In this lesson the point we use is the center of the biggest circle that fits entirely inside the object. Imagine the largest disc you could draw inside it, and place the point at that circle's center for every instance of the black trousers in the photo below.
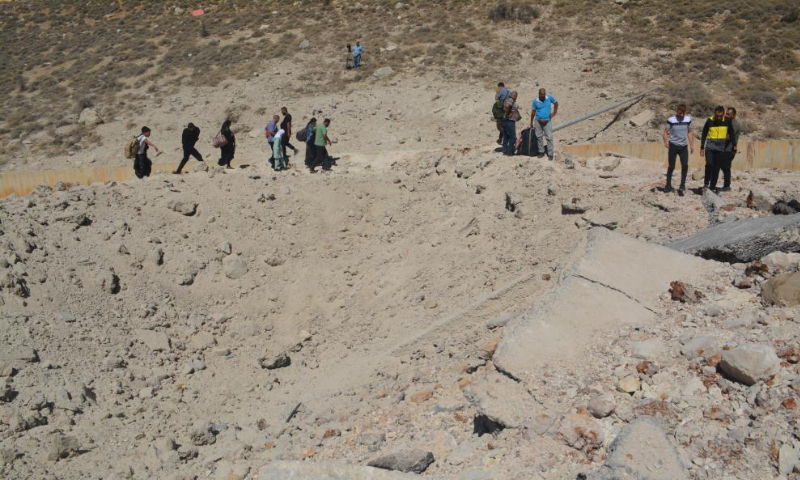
(226, 157)
(714, 161)
(725, 166)
(311, 155)
(285, 143)
(322, 157)
(673, 153)
(142, 166)
(189, 152)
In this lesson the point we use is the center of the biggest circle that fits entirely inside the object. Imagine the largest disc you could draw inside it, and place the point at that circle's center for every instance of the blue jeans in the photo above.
(509, 136)
(356, 61)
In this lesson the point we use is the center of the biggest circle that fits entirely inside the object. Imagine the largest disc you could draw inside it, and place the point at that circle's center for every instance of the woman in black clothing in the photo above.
(311, 149)
(229, 149)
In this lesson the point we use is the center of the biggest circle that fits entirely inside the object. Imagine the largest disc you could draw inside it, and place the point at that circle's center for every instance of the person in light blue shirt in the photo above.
(357, 49)
(544, 108)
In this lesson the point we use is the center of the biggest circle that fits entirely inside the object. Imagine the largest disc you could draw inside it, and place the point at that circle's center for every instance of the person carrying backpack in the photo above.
(510, 119)
(142, 166)
(500, 95)
(228, 150)
(191, 134)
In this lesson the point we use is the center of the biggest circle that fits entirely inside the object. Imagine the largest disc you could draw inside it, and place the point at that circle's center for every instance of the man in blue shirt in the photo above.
(544, 108)
(357, 49)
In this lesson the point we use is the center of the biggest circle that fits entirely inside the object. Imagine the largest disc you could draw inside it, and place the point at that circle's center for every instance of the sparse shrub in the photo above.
(772, 133)
(792, 99)
(746, 127)
(694, 94)
(520, 12)
(764, 97)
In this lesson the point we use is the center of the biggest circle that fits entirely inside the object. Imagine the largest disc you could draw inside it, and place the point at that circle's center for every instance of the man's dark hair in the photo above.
(719, 108)
(327, 120)
(733, 109)
(145, 129)
(681, 107)
(501, 84)
(190, 126)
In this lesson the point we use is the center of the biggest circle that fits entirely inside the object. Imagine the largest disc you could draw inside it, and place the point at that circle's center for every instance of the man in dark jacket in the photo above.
(191, 135)
(718, 132)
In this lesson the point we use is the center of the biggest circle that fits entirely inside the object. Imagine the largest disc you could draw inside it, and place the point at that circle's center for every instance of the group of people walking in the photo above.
(278, 133)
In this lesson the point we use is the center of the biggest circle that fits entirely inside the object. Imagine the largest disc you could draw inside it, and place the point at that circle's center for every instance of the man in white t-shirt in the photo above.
(142, 166)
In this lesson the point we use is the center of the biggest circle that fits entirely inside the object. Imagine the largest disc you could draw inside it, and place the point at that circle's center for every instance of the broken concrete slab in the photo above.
(641, 451)
(285, 470)
(744, 241)
(643, 118)
(515, 408)
(613, 280)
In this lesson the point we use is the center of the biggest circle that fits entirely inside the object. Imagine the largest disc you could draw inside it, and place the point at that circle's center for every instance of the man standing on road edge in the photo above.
(544, 108)
(717, 134)
(679, 142)
(510, 119)
(320, 141)
(730, 151)
(142, 166)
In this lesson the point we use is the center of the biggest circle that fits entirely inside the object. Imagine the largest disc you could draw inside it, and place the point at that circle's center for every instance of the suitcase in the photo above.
(528, 145)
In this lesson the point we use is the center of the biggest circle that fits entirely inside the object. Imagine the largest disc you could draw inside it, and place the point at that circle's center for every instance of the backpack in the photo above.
(219, 140)
(132, 148)
(499, 109)
(302, 135)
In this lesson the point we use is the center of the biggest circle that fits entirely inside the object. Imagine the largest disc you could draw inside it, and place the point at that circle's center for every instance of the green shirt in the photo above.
(321, 131)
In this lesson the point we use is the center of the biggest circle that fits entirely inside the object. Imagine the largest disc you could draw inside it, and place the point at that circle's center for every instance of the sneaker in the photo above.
(550, 157)
(668, 189)
(680, 192)
(725, 189)
(176, 172)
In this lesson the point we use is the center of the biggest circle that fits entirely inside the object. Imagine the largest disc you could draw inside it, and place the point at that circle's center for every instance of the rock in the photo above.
(20, 353)
(373, 441)
(750, 363)
(713, 204)
(685, 293)
(108, 281)
(305, 44)
(6, 392)
(649, 349)
(66, 317)
(89, 117)
(383, 72)
(406, 460)
(782, 290)
(573, 208)
(777, 261)
(157, 257)
(235, 267)
(629, 384)
(582, 432)
(155, 341)
(271, 362)
(226, 248)
(421, 397)
(430, 304)
(602, 406)
(7, 457)
(500, 321)
(184, 208)
(760, 200)
(285, 470)
(641, 451)
(743, 241)
(62, 446)
(642, 119)
(700, 347)
(201, 434)
(788, 459)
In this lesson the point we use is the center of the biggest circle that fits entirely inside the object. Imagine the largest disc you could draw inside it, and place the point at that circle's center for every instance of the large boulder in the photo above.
(743, 241)
(782, 290)
(614, 280)
(750, 363)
